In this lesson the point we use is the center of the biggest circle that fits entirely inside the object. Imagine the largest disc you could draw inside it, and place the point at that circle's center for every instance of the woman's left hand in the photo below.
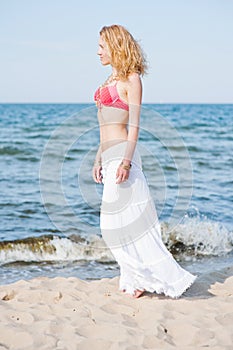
(121, 175)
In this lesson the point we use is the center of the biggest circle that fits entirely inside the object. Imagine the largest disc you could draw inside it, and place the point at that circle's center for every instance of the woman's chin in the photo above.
(104, 63)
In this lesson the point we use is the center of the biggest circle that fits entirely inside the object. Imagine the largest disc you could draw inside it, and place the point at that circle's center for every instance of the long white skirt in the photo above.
(130, 228)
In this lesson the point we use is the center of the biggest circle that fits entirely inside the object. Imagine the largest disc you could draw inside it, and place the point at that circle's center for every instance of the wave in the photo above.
(191, 238)
(54, 248)
(194, 237)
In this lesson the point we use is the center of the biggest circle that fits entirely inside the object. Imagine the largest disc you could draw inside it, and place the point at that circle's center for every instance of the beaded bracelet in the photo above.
(98, 163)
(126, 167)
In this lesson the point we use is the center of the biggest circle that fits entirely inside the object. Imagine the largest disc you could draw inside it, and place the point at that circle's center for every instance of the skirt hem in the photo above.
(168, 291)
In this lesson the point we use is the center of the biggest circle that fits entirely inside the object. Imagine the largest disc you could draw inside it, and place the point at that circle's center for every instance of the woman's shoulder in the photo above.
(134, 81)
(134, 77)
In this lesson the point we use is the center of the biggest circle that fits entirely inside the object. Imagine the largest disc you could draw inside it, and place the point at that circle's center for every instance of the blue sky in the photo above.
(48, 49)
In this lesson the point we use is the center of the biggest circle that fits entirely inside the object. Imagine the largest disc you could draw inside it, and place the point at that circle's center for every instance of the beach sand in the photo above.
(69, 313)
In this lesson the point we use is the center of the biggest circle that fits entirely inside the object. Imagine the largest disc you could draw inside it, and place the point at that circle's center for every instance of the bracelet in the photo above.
(126, 167)
(98, 163)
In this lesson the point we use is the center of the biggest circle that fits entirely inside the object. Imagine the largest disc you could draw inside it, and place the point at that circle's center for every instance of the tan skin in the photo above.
(129, 91)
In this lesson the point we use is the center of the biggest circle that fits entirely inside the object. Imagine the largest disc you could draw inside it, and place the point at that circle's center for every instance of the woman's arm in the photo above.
(97, 167)
(134, 94)
(98, 156)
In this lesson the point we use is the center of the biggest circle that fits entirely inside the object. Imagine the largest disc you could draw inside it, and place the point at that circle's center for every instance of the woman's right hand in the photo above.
(96, 173)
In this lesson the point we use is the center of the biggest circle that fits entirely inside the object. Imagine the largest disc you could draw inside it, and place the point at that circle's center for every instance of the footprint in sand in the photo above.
(15, 339)
(115, 308)
(225, 320)
(9, 296)
(163, 334)
(22, 318)
(128, 321)
(58, 297)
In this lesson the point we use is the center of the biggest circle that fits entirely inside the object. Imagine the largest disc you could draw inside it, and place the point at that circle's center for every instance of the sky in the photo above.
(49, 49)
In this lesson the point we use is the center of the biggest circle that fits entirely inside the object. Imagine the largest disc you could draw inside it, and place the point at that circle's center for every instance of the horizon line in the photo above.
(92, 103)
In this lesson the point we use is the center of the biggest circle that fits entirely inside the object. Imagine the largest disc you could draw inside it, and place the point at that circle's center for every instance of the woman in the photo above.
(128, 220)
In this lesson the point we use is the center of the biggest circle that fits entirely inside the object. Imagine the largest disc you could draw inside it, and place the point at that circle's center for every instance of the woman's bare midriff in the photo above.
(113, 126)
(112, 135)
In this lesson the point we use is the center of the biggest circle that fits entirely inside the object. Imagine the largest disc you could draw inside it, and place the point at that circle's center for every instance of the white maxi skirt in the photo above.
(130, 228)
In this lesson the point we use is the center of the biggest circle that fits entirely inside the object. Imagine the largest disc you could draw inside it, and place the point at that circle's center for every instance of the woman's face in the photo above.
(103, 52)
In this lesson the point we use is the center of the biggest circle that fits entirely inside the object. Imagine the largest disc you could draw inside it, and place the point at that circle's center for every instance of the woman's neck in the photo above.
(114, 73)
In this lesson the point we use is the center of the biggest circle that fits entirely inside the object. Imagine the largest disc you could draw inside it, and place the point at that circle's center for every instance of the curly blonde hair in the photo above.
(126, 54)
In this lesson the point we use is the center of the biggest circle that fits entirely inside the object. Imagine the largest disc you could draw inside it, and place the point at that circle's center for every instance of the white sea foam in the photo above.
(202, 235)
(193, 236)
(56, 249)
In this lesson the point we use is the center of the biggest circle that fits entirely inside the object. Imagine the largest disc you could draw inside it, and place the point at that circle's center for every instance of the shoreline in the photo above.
(70, 313)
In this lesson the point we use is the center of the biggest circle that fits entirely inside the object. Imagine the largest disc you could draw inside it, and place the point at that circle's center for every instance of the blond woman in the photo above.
(128, 220)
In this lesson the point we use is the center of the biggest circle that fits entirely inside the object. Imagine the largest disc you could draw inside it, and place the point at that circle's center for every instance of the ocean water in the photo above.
(49, 204)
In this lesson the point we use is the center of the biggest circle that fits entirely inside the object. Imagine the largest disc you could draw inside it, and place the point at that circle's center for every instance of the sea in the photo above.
(50, 205)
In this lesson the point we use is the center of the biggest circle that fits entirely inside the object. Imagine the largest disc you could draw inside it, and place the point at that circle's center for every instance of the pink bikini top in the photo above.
(108, 96)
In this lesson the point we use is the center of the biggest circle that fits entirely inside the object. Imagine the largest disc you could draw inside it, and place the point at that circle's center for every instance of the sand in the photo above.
(68, 313)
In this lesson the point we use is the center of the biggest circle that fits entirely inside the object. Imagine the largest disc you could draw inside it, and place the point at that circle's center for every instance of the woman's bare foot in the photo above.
(138, 293)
